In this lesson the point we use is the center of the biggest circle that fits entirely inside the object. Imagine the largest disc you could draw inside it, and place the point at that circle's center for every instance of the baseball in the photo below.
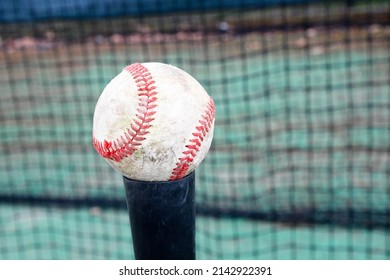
(153, 122)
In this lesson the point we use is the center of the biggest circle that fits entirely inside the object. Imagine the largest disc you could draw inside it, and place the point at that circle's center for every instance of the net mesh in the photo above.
(299, 165)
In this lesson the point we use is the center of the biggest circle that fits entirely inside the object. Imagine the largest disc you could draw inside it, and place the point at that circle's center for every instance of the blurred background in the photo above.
(300, 163)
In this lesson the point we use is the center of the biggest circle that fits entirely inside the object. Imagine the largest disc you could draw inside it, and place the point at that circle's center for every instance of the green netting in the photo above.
(299, 166)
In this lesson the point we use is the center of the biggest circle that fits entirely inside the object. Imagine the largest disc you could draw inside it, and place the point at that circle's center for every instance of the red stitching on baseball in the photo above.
(194, 144)
(127, 144)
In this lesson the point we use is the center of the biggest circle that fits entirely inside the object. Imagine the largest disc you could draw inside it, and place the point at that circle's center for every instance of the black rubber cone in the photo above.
(162, 218)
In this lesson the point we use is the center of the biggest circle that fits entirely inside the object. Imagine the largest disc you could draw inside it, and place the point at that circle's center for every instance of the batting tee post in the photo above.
(162, 218)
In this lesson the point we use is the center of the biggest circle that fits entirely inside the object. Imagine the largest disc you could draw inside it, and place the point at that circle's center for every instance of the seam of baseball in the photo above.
(126, 144)
(195, 143)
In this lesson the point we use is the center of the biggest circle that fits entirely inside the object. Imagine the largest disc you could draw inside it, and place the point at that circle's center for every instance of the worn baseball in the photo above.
(153, 122)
